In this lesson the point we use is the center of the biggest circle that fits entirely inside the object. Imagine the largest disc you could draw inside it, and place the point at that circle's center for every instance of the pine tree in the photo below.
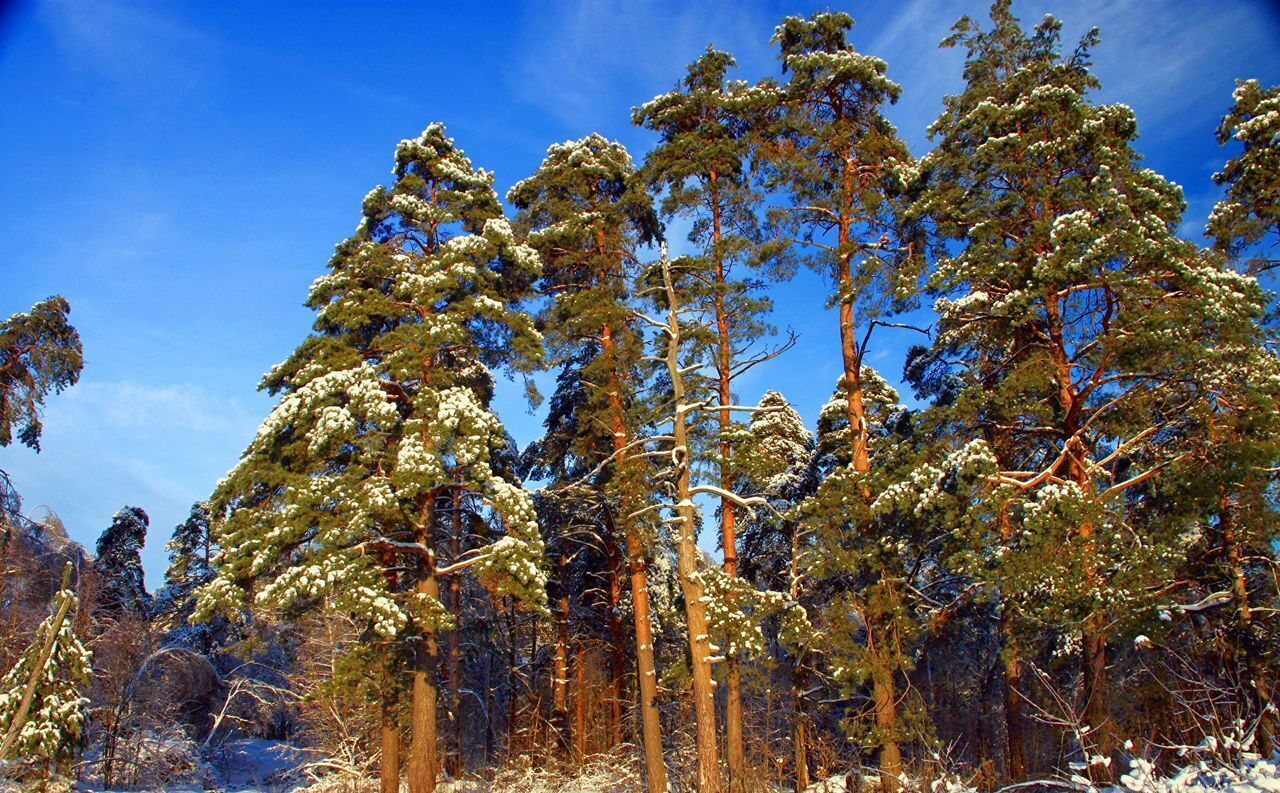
(1080, 323)
(702, 162)
(191, 550)
(39, 352)
(1230, 503)
(42, 703)
(1246, 222)
(1245, 225)
(873, 559)
(585, 211)
(697, 596)
(932, 377)
(384, 412)
(119, 564)
(576, 516)
(191, 565)
(844, 169)
(776, 463)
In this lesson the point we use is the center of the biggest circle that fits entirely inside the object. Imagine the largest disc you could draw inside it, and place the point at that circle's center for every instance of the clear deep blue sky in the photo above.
(181, 172)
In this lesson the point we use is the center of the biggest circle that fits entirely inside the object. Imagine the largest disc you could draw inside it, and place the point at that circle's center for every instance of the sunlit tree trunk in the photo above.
(423, 751)
(560, 666)
(704, 708)
(883, 696)
(646, 666)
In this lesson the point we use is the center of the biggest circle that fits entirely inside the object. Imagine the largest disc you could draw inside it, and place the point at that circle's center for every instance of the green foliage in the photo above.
(385, 407)
(191, 551)
(586, 213)
(121, 589)
(53, 732)
(39, 352)
(1246, 223)
(702, 163)
(1082, 337)
(841, 165)
(775, 462)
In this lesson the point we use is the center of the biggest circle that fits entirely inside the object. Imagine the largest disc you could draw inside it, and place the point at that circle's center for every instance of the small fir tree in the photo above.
(192, 551)
(42, 702)
(776, 462)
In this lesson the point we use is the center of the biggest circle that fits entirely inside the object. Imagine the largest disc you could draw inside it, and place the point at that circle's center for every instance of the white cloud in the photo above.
(1167, 57)
(580, 59)
(114, 406)
(149, 55)
(113, 443)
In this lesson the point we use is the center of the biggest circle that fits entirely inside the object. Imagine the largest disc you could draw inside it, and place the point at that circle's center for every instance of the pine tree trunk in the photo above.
(703, 685)
(800, 723)
(1096, 685)
(704, 706)
(580, 704)
(560, 667)
(617, 636)
(453, 652)
(884, 694)
(728, 517)
(799, 680)
(646, 667)
(1015, 757)
(647, 671)
(390, 765)
(734, 744)
(1094, 631)
(423, 749)
(852, 362)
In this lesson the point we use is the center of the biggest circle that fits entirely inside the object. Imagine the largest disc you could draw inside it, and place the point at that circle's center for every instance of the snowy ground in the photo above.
(249, 765)
(262, 766)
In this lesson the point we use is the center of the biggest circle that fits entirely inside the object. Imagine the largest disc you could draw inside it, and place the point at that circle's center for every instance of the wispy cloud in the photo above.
(578, 58)
(144, 52)
(113, 443)
(1167, 57)
(130, 406)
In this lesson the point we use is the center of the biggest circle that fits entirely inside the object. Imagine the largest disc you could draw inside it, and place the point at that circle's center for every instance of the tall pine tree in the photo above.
(703, 164)
(384, 411)
(1081, 327)
(586, 212)
(842, 166)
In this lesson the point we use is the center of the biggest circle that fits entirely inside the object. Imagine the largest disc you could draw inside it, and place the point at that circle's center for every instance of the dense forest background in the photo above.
(1052, 562)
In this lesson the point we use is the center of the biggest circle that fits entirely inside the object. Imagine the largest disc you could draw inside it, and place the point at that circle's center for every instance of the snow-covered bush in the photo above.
(1252, 775)
(158, 758)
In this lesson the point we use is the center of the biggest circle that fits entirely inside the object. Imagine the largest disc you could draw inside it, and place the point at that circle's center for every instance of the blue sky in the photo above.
(181, 172)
